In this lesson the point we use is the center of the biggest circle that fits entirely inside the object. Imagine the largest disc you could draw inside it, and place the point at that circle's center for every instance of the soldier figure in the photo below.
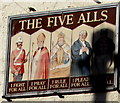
(17, 60)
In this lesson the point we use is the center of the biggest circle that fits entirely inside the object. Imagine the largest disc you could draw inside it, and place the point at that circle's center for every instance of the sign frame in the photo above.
(58, 92)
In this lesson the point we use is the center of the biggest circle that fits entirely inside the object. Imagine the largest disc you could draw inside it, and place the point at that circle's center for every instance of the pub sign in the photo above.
(64, 51)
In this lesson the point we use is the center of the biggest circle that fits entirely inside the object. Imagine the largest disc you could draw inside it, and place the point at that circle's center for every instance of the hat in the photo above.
(61, 35)
(19, 40)
(41, 36)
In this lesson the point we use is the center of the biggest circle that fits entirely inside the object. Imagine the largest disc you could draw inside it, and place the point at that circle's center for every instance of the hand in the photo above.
(84, 49)
(16, 73)
(25, 60)
(13, 71)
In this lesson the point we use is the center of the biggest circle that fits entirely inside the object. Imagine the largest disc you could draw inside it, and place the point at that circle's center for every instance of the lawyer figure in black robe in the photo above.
(80, 53)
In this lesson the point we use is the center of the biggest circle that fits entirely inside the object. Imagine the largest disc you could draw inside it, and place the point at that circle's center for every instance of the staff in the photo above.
(31, 60)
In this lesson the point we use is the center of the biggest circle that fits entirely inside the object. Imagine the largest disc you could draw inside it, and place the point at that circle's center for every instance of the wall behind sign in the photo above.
(14, 8)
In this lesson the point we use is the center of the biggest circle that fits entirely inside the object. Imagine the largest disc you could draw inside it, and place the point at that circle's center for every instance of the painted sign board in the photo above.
(64, 51)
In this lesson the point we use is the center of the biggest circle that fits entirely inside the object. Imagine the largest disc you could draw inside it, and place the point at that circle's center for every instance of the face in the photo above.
(40, 43)
(61, 41)
(82, 36)
(19, 44)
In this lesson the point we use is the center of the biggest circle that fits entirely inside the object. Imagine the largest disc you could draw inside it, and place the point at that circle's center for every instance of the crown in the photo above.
(61, 35)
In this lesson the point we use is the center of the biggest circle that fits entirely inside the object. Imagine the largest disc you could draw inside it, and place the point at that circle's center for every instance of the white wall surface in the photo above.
(14, 7)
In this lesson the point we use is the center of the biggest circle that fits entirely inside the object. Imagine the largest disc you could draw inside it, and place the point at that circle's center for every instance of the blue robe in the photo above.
(80, 65)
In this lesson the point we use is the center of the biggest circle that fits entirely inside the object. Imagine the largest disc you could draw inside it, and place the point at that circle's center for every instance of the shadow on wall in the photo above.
(102, 59)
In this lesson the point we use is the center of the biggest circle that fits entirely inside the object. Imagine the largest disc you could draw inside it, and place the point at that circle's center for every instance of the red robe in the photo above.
(41, 68)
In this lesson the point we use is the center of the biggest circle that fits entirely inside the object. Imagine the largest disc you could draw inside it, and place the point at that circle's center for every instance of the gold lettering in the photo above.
(63, 85)
(11, 85)
(69, 19)
(38, 23)
(103, 13)
(42, 87)
(39, 82)
(53, 81)
(12, 89)
(81, 18)
(21, 89)
(31, 23)
(77, 80)
(82, 84)
(50, 20)
(23, 24)
(75, 85)
(109, 82)
(55, 21)
(54, 86)
(18, 84)
(31, 83)
(60, 19)
(56, 81)
(86, 79)
(95, 16)
(33, 88)
(88, 17)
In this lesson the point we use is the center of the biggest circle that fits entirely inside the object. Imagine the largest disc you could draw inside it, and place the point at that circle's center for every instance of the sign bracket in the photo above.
(59, 95)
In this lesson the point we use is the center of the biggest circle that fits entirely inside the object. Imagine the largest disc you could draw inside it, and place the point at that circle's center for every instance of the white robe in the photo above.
(34, 64)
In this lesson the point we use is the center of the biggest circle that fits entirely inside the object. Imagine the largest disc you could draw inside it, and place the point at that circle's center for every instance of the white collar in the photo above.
(82, 41)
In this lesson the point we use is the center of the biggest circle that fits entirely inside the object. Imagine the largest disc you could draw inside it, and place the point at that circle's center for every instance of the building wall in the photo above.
(14, 8)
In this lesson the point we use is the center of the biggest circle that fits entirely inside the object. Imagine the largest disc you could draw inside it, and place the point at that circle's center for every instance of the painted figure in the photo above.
(60, 57)
(81, 52)
(17, 59)
(41, 60)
